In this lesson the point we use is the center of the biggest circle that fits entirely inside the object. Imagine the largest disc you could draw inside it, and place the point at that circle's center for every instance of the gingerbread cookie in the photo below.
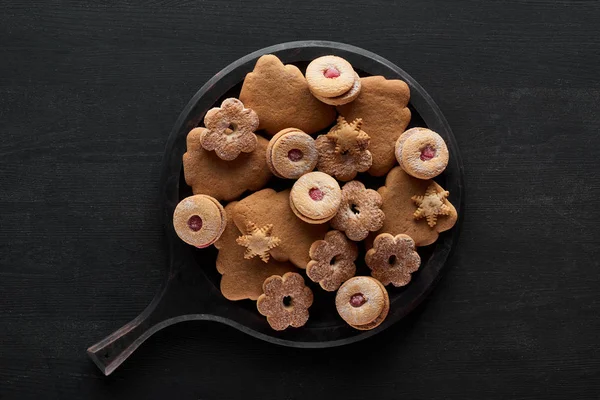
(363, 302)
(280, 96)
(207, 174)
(422, 153)
(285, 301)
(399, 208)
(199, 220)
(343, 151)
(258, 241)
(270, 207)
(242, 277)
(359, 212)
(315, 197)
(330, 76)
(392, 259)
(332, 261)
(382, 105)
(291, 153)
(230, 129)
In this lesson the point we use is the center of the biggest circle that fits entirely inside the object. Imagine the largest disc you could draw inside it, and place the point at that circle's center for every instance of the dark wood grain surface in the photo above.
(88, 94)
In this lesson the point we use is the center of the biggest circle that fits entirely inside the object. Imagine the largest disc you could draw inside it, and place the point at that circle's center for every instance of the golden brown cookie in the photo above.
(270, 207)
(330, 76)
(399, 208)
(258, 241)
(332, 260)
(343, 151)
(382, 105)
(285, 301)
(393, 259)
(199, 220)
(230, 129)
(315, 197)
(422, 153)
(207, 174)
(344, 98)
(362, 302)
(242, 278)
(280, 96)
(291, 153)
(359, 212)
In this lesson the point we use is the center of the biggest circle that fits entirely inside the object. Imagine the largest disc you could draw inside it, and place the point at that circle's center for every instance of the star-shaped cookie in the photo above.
(431, 205)
(258, 241)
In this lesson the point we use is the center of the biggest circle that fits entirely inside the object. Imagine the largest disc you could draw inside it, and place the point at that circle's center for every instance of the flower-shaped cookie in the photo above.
(332, 261)
(285, 301)
(230, 129)
(343, 151)
(392, 259)
(359, 212)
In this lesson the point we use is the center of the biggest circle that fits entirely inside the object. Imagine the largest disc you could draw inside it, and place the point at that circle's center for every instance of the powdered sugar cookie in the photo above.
(422, 153)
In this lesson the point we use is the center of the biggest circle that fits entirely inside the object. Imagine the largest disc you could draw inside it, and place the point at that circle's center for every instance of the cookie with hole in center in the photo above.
(291, 153)
(383, 106)
(422, 153)
(199, 220)
(279, 94)
(315, 197)
(362, 302)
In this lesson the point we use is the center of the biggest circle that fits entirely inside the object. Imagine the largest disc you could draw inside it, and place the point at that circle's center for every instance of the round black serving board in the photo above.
(190, 290)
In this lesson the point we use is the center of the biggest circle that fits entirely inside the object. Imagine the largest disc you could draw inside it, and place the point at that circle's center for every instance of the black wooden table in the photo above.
(89, 93)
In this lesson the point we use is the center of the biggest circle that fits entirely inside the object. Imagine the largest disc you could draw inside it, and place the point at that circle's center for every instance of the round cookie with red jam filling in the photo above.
(199, 220)
(315, 197)
(362, 302)
(291, 153)
(422, 153)
(330, 76)
(344, 98)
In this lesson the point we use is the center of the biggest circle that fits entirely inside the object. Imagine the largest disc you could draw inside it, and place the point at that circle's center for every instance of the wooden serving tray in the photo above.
(190, 290)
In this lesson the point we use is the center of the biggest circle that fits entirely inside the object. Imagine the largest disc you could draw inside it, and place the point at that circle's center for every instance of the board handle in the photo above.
(111, 351)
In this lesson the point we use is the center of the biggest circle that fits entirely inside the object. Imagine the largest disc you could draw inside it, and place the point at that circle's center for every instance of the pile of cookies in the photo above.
(318, 131)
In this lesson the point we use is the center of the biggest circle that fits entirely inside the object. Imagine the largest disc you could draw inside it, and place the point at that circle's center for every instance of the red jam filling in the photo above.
(427, 153)
(195, 223)
(331, 72)
(357, 300)
(295, 155)
(316, 194)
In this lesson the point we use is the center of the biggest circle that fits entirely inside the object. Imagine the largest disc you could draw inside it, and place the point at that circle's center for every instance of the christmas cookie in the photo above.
(315, 197)
(242, 277)
(199, 220)
(280, 96)
(362, 302)
(359, 212)
(207, 174)
(403, 195)
(343, 151)
(285, 301)
(230, 129)
(330, 76)
(268, 207)
(422, 153)
(291, 153)
(382, 105)
(344, 98)
(392, 259)
(332, 261)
